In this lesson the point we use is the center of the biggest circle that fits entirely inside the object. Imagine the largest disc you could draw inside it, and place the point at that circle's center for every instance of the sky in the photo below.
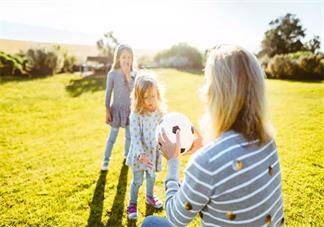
(154, 24)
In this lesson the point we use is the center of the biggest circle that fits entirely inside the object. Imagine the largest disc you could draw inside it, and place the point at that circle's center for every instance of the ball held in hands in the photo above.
(172, 122)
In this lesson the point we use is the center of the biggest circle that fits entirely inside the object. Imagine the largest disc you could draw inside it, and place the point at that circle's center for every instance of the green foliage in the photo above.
(145, 61)
(264, 61)
(52, 144)
(313, 44)
(43, 61)
(12, 65)
(297, 55)
(181, 56)
(285, 36)
(282, 67)
(298, 66)
(69, 64)
(37, 62)
(107, 45)
(69, 61)
(311, 66)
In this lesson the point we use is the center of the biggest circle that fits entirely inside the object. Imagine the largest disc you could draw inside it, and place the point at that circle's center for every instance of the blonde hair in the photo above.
(145, 82)
(118, 51)
(235, 93)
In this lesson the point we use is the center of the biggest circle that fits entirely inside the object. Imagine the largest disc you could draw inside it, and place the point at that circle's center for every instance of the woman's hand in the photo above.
(169, 150)
(142, 158)
(108, 116)
(197, 143)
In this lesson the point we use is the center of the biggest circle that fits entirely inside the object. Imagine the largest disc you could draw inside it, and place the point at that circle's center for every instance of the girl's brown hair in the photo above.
(118, 51)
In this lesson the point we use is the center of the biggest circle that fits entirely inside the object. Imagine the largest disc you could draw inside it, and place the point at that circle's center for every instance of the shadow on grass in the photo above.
(86, 84)
(117, 210)
(131, 223)
(96, 205)
(151, 210)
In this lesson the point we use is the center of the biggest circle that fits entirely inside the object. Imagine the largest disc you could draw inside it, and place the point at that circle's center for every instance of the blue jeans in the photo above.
(112, 139)
(155, 221)
(138, 181)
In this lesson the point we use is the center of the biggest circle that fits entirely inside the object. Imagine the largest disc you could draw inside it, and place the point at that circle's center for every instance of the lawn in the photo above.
(52, 137)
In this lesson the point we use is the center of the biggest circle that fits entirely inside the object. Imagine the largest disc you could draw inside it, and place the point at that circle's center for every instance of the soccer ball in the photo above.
(171, 123)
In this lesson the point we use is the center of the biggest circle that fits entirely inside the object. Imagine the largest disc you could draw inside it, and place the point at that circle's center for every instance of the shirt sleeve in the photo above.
(184, 201)
(109, 88)
(136, 136)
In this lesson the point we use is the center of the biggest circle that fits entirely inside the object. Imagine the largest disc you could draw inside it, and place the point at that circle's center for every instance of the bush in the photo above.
(311, 67)
(43, 62)
(145, 61)
(180, 56)
(69, 63)
(264, 61)
(12, 65)
(297, 55)
(37, 62)
(282, 67)
(297, 66)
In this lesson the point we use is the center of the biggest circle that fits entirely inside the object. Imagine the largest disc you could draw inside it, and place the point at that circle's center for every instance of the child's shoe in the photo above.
(154, 201)
(132, 211)
(104, 165)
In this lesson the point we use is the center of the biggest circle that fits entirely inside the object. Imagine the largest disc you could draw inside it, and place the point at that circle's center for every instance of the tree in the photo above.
(180, 55)
(107, 45)
(313, 44)
(284, 36)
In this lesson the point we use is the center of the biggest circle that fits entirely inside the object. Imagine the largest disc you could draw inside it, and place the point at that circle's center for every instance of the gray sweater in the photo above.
(121, 90)
(230, 182)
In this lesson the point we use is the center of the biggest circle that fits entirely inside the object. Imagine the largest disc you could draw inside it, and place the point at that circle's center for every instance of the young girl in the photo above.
(120, 81)
(144, 156)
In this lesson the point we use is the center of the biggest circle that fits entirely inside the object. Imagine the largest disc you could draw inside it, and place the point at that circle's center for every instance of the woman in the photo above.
(234, 180)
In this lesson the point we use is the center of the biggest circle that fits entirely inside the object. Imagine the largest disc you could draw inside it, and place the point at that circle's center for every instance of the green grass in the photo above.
(52, 137)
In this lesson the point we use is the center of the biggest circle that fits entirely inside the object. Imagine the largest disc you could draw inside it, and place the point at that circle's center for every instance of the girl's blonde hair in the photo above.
(146, 82)
(235, 93)
(118, 51)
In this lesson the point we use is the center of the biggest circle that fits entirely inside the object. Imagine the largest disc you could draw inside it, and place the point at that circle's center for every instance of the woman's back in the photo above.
(241, 181)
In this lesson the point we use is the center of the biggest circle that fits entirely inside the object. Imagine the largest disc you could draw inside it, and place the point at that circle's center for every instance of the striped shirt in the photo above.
(229, 182)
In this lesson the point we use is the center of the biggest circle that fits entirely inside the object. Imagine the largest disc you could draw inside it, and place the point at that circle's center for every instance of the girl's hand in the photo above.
(126, 70)
(108, 116)
(169, 150)
(145, 160)
(197, 143)
(128, 76)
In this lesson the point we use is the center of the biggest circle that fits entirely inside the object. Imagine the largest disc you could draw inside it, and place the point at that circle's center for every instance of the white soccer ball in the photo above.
(171, 122)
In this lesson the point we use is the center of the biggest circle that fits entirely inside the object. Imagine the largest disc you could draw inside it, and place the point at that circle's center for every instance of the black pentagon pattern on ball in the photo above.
(175, 128)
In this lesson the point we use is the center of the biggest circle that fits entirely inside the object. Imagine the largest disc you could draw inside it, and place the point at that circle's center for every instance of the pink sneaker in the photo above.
(154, 201)
(132, 211)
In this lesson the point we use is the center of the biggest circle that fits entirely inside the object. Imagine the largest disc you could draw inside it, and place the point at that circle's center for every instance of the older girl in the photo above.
(120, 82)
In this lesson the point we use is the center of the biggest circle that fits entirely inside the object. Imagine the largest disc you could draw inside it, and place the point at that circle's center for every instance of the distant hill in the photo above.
(80, 51)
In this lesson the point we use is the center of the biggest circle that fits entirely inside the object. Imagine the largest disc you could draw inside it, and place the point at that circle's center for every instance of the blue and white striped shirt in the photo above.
(229, 182)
